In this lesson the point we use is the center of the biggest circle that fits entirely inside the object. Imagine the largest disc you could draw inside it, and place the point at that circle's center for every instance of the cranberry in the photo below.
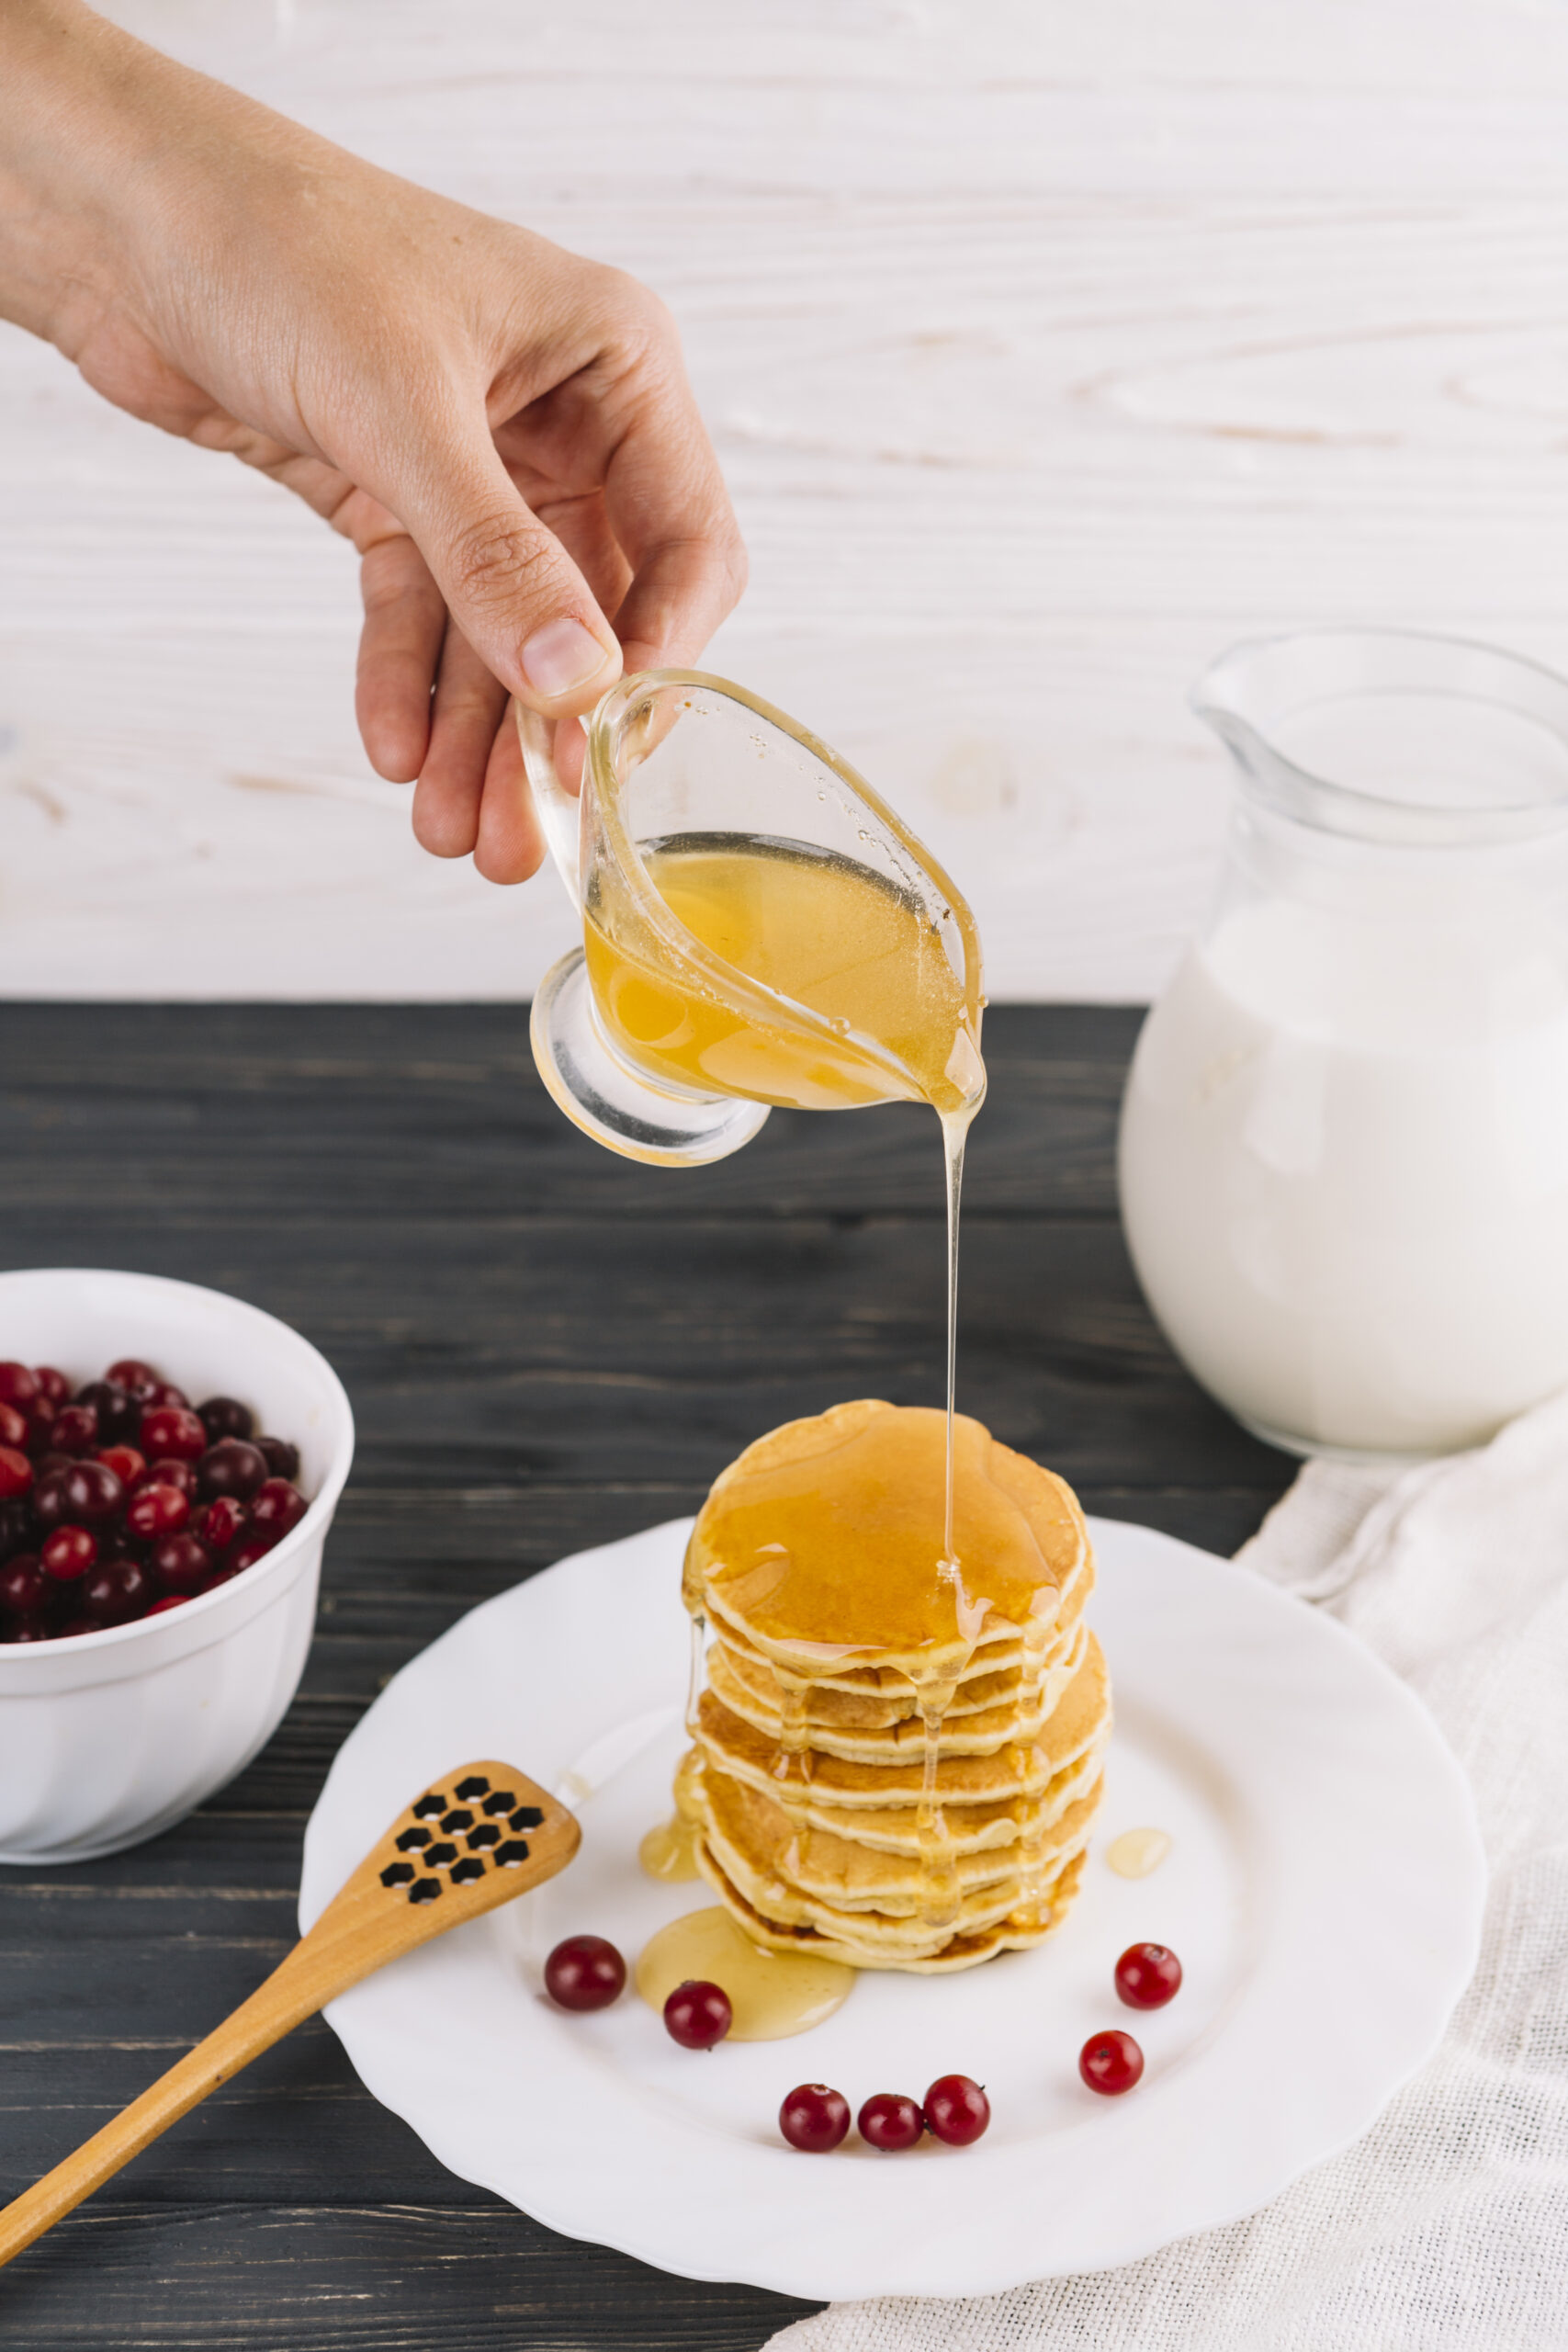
(70, 1553)
(49, 1461)
(116, 1591)
(223, 1522)
(231, 1468)
(50, 1500)
(1148, 1976)
(170, 1473)
(248, 1551)
(218, 1576)
(18, 1384)
(125, 1462)
(79, 1625)
(165, 1393)
(277, 1506)
(891, 2122)
(15, 1473)
(584, 1973)
(23, 1588)
(156, 1510)
(75, 1430)
(137, 1379)
(957, 2111)
(40, 1425)
(13, 1427)
(179, 1563)
(170, 1601)
(93, 1493)
(224, 1417)
(117, 1413)
(173, 1429)
(25, 1629)
(813, 2118)
(1111, 2062)
(18, 1525)
(282, 1459)
(697, 2015)
(54, 1384)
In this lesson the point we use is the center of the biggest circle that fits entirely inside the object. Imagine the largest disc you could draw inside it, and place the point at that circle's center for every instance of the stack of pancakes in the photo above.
(897, 1761)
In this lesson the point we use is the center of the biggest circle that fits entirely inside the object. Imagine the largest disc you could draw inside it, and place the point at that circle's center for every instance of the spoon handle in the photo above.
(371, 1921)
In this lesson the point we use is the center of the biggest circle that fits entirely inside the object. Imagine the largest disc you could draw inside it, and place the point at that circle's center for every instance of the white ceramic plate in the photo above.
(1323, 1894)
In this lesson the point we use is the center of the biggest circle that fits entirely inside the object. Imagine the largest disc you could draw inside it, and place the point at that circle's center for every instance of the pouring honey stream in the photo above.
(759, 929)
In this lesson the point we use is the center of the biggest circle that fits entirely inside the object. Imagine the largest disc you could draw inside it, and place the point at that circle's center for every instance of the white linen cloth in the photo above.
(1446, 2228)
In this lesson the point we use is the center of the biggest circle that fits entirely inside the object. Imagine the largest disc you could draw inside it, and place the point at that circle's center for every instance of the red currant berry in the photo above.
(282, 1459)
(698, 2016)
(170, 1601)
(277, 1506)
(224, 1417)
(137, 1379)
(250, 1548)
(1148, 1976)
(18, 1386)
(25, 1629)
(125, 1462)
(69, 1553)
(15, 1473)
(221, 1523)
(51, 1384)
(75, 1430)
(180, 1562)
(13, 1427)
(79, 1625)
(164, 1393)
(155, 1510)
(170, 1473)
(116, 1591)
(957, 2109)
(584, 1973)
(813, 2118)
(1111, 2062)
(218, 1576)
(891, 2122)
(23, 1587)
(18, 1526)
(231, 1468)
(173, 1429)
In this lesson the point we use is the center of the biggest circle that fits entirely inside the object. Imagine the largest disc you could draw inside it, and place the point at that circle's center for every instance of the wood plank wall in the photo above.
(1048, 349)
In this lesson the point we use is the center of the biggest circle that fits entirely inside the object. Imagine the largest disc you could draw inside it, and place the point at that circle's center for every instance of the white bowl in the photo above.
(109, 1738)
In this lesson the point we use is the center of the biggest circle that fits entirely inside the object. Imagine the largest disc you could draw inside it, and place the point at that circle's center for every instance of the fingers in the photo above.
(512, 589)
(669, 508)
(511, 843)
(465, 717)
(399, 647)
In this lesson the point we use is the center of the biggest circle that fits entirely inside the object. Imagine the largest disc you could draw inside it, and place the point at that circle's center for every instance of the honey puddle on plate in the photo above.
(1137, 1852)
(773, 1994)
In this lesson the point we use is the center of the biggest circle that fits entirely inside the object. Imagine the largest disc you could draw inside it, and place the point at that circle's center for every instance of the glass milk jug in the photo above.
(1344, 1156)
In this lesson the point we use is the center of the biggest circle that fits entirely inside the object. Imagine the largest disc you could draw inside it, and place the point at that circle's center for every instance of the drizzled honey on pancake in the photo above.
(821, 1559)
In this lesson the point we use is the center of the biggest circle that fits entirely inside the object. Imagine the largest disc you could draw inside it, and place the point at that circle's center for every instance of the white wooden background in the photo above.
(1047, 348)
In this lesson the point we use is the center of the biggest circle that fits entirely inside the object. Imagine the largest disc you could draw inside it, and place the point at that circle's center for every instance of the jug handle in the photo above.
(559, 813)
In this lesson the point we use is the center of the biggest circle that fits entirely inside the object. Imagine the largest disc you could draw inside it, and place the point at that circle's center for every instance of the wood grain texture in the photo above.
(545, 1348)
(1047, 351)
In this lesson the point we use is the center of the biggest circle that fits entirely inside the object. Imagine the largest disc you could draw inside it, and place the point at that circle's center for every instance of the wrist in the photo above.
(61, 153)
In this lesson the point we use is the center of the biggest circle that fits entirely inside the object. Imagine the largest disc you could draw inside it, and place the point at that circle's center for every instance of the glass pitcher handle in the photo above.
(560, 814)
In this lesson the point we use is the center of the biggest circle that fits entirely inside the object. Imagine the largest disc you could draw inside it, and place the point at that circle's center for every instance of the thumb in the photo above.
(510, 585)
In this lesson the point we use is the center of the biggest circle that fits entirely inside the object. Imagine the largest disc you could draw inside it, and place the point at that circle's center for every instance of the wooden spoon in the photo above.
(470, 1842)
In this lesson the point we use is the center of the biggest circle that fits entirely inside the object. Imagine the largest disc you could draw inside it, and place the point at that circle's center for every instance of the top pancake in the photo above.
(822, 1547)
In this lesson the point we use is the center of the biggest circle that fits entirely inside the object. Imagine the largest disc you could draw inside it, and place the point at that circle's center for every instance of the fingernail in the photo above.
(561, 655)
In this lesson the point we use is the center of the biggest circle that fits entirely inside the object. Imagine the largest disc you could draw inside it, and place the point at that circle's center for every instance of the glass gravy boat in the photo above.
(759, 928)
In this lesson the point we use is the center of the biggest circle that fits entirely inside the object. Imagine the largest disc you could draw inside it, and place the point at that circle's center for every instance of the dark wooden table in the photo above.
(545, 1348)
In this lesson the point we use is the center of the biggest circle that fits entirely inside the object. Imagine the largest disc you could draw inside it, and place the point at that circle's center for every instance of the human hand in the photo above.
(504, 431)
